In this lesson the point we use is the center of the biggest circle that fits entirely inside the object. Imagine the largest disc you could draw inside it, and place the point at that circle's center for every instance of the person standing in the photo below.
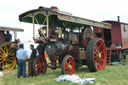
(22, 56)
(14, 47)
(9, 37)
(30, 62)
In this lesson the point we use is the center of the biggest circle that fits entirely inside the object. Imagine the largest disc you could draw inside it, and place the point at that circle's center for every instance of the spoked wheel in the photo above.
(7, 57)
(39, 65)
(68, 65)
(96, 52)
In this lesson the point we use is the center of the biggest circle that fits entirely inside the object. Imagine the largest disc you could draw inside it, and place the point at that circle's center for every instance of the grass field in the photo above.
(112, 75)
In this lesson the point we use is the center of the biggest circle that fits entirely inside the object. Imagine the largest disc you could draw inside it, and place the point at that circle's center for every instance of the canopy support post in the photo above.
(47, 27)
(15, 35)
(33, 27)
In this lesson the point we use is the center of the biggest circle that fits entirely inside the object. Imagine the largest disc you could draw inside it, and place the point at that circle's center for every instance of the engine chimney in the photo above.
(54, 8)
(118, 17)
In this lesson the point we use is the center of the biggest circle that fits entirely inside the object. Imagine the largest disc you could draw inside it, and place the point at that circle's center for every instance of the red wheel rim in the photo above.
(100, 55)
(40, 65)
(69, 67)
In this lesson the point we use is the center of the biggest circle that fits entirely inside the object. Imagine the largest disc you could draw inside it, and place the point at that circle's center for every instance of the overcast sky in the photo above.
(98, 10)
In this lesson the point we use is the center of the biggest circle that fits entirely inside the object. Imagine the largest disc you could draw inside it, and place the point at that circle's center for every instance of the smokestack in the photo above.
(118, 17)
(54, 8)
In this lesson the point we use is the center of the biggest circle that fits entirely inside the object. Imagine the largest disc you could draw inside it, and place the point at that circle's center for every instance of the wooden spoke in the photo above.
(2, 50)
(1, 62)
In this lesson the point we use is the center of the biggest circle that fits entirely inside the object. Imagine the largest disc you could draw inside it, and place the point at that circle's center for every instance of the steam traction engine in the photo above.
(68, 40)
(7, 48)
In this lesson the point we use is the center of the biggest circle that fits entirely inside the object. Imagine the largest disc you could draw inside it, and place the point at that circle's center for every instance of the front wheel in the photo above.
(39, 65)
(68, 65)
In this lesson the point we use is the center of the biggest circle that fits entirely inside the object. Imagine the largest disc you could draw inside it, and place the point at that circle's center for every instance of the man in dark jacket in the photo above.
(30, 62)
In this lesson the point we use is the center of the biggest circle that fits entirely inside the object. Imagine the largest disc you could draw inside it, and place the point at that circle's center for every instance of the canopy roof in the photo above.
(3, 28)
(42, 12)
(111, 21)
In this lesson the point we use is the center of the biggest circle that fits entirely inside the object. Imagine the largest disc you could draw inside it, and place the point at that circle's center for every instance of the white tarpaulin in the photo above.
(75, 79)
(1, 74)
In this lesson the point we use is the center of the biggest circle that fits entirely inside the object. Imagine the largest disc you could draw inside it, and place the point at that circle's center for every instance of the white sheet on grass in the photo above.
(1, 73)
(75, 79)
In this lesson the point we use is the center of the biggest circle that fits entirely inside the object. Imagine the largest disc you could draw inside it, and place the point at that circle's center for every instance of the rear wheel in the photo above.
(68, 65)
(96, 52)
(7, 57)
(39, 65)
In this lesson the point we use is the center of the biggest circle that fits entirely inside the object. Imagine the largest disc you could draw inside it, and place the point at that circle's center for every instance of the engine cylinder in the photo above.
(54, 49)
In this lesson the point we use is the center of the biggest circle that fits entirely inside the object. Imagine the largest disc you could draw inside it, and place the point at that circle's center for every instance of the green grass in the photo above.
(112, 75)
